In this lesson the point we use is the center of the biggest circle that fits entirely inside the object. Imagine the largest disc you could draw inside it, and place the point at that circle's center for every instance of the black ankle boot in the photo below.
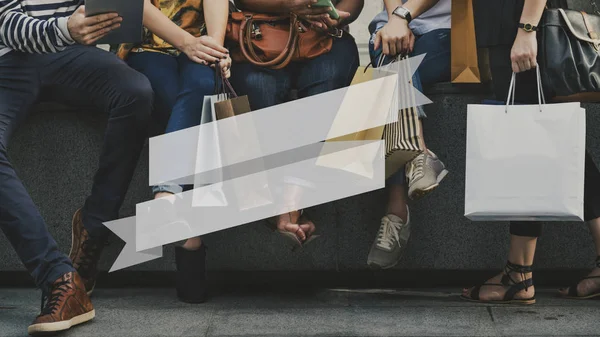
(191, 274)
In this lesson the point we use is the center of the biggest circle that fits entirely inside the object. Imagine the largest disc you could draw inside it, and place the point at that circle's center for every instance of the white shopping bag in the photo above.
(209, 155)
(525, 162)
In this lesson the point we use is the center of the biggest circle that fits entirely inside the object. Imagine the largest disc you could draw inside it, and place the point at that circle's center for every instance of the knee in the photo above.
(136, 94)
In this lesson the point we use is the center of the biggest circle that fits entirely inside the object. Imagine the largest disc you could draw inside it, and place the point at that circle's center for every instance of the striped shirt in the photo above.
(35, 26)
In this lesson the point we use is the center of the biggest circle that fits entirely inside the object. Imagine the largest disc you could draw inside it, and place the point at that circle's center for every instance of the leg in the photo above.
(110, 85)
(330, 71)
(162, 72)
(20, 219)
(264, 87)
(514, 284)
(589, 287)
(126, 95)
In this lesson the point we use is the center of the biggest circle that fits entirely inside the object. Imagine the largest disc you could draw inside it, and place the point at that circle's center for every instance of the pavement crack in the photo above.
(489, 310)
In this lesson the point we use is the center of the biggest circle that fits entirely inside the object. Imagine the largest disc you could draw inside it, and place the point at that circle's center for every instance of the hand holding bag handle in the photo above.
(510, 100)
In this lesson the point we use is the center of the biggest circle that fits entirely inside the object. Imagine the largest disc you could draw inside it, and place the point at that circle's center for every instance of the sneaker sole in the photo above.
(376, 266)
(44, 328)
(418, 194)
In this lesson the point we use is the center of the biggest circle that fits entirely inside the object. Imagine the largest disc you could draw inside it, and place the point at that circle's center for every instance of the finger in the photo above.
(343, 14)
(92, 38)
(521, 66)
(197, 59)
(515, 67)
(533, 62)
(411, 44)
(206, 57)
(103, 25)
(96, 19)
(312, 11)
(214, 53)
(392, 46)
(215, 46)
(377, 40)
(386, 47)
(405, 43)
(80, 10)
(315, 17)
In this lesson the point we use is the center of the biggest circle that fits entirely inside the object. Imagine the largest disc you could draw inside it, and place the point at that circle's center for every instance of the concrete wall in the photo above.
(56, 153)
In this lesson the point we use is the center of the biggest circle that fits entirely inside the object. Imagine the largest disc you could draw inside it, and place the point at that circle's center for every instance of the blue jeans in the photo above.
(179, 86)
(434, 69)
(267, 87)
(76, 75)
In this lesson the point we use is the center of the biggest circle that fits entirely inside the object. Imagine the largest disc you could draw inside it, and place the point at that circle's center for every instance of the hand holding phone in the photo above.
(327, 3)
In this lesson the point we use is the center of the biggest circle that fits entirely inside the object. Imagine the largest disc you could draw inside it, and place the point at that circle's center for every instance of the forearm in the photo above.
(416, 7)
(354, 7)
(532, 11)
(216, 13)
(163, 27)
(30, 35)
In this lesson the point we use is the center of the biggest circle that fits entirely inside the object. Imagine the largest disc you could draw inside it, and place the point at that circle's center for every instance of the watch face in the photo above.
(528, 27)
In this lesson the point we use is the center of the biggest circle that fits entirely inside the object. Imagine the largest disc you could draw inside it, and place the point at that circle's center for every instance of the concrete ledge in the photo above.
(56, 152)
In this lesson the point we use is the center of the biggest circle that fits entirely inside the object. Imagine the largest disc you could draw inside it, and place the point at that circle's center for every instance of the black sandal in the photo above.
(507, 281)
(573, 289)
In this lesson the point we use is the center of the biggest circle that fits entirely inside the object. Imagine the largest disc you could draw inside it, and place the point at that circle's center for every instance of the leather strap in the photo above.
(282, 60)
(586, 20)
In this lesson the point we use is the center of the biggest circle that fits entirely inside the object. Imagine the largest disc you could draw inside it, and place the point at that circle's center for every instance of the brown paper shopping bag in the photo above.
(465, 65)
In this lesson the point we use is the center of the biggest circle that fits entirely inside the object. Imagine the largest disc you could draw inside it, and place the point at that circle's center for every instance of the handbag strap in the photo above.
(282, 60)
(222, 84)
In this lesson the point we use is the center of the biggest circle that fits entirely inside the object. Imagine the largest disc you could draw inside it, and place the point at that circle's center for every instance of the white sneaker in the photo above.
(424, 175)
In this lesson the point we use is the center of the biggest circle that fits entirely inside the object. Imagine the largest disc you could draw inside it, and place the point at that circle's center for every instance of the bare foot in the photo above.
(586, 287)
(497, 291)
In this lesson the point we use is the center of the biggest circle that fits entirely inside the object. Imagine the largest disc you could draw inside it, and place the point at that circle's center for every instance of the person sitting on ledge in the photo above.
(48, 45)
(410, 28)
(183, 41)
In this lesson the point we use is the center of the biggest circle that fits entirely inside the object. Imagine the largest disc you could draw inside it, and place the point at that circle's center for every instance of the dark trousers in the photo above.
(267, 87)
(77, 75)
(526, 93)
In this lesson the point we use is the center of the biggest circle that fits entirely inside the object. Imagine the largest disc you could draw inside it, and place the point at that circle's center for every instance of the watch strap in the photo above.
(528, 27)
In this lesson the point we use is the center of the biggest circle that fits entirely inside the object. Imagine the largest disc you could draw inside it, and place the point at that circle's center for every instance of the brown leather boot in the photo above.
(85, 253)
(67, 305)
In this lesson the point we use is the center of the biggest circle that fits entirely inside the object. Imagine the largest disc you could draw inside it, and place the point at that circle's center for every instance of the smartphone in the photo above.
(327, 3)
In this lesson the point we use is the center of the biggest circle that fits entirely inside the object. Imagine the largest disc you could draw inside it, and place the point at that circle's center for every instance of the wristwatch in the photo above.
(403, 13)
(528, 27)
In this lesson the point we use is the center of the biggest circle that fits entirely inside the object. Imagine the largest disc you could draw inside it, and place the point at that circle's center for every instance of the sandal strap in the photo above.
(515, 288)
(508, 281)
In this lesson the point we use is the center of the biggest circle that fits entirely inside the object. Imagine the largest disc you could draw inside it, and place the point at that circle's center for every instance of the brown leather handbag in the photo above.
(274, 41)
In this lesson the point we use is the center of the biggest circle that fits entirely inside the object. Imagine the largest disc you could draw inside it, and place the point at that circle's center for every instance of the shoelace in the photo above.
(388, 232)
(88, 260)
(417, 164)
(51, 302)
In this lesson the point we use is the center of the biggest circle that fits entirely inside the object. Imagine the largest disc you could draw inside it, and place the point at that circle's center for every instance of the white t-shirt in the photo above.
(437, 17)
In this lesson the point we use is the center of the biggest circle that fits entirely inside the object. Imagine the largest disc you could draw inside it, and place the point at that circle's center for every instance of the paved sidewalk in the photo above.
(156, 312)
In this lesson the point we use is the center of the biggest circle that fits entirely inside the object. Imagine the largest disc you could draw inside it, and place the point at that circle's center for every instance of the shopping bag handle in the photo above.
(510, 100)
